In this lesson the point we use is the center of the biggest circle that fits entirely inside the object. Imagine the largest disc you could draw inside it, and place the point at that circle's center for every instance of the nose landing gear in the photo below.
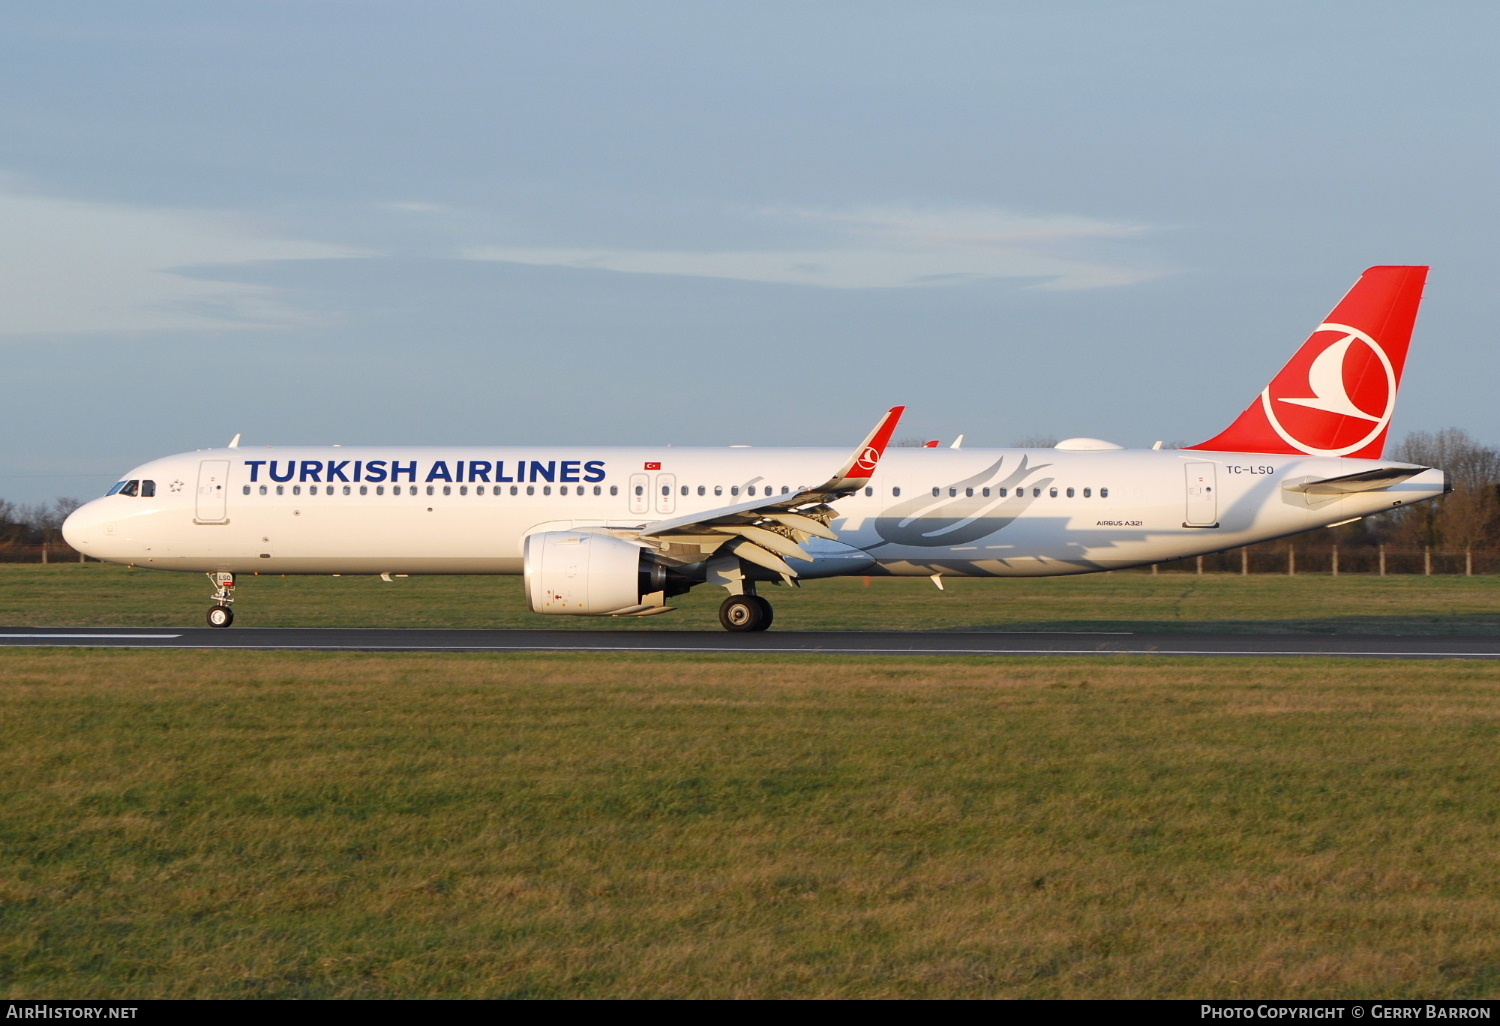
(221, 613)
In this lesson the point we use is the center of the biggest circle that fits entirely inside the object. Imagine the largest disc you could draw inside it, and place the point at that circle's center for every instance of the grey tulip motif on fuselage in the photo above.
(931, 521)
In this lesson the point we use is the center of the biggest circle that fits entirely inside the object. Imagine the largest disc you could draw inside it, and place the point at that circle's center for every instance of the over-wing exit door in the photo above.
(640, 502)
(666, 493)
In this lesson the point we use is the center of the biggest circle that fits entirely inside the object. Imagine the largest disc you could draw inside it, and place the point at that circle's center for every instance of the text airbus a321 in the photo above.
(621, 531)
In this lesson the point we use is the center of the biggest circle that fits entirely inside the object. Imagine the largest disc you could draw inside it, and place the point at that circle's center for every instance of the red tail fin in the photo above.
(1336, 396)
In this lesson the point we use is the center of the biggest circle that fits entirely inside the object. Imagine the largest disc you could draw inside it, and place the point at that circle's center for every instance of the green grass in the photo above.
(96, 594)
(240, 824)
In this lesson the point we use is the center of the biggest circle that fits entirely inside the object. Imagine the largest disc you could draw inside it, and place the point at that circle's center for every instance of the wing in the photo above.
(770, 530)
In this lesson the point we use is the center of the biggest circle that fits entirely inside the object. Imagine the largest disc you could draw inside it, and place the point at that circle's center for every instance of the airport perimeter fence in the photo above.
(1291, 558)
(52, 552)
(1267, 558)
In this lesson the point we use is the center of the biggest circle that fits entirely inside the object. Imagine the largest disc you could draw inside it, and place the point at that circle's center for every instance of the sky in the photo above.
(731, 223)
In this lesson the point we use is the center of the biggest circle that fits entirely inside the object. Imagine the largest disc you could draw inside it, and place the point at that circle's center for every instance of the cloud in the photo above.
(887, 248)
(88, 266)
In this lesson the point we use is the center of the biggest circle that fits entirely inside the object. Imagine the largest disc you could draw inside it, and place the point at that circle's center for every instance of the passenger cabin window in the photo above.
(1070, 493)
(1104, 493)
(1087, 492)
(896, 492)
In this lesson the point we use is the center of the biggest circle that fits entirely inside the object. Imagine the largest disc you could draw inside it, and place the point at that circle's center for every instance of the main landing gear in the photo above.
(221, 613)
(744, 613)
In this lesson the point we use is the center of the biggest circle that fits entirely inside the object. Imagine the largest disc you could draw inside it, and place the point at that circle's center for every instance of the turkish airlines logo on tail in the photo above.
(1334, 398)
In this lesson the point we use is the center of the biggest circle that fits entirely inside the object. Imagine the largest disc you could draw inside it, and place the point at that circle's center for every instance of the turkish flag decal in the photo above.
(653, 466)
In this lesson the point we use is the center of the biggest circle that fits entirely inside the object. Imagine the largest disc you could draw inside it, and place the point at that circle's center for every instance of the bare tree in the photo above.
(1467, 517)
(44, 521)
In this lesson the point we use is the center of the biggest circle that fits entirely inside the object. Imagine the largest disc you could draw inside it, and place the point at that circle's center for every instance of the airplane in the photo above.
(599, 531)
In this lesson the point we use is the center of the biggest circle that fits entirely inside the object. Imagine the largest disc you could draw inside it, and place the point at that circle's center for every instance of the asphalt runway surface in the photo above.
(894, 643)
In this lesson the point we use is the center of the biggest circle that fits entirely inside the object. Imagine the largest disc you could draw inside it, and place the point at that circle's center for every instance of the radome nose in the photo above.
(82, 526)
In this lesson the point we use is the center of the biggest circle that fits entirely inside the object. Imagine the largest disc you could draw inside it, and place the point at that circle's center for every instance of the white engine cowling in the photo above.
(584, 574)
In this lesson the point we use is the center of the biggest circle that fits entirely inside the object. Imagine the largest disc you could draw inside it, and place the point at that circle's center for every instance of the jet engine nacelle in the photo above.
(584, 574)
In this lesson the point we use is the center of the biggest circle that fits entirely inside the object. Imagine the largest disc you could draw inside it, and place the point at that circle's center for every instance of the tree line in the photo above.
(26, 528)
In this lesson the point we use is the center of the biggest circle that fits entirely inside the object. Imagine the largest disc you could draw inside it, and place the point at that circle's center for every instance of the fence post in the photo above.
(1335, 559)
(1468, 562)
(1245, 561)
(44, 552)
(1155, 568)
(1291, 560)
(1200, 566)
(1382, 559)
(1427, 560)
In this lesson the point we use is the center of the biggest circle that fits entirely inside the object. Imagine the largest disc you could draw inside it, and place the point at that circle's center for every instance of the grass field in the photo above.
(197, 823)
(96, 594)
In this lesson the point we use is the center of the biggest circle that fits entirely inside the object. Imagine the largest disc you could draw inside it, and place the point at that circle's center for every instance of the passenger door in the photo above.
(213, 492)
(1202, 502)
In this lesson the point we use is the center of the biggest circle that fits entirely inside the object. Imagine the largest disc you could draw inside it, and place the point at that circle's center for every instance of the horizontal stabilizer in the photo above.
(1365, 481)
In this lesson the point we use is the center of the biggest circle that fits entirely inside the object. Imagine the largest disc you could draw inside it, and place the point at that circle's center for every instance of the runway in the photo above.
(893, 643)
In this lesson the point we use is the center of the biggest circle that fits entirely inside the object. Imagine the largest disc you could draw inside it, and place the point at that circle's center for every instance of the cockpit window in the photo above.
(119, 485)
(148, 489)
(131, 488)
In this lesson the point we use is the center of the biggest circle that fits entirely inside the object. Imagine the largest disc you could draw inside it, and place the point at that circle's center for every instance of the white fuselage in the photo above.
(975, 512)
